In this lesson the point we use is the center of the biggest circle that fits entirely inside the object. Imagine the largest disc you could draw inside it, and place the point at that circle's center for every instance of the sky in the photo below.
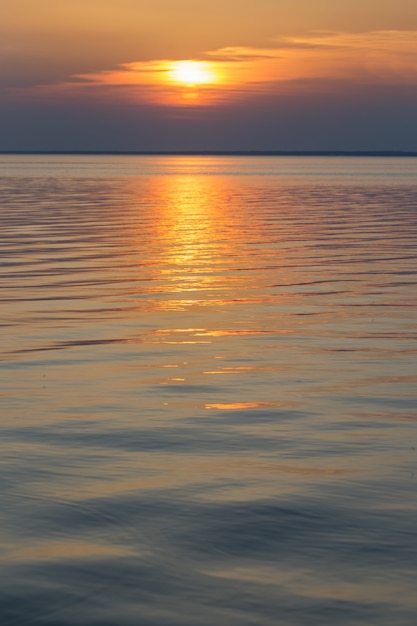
(195, 75)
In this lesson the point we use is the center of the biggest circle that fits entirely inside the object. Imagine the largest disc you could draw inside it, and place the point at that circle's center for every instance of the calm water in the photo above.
(208, 391)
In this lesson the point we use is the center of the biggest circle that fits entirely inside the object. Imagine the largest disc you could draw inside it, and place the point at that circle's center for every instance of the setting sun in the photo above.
(192, 73)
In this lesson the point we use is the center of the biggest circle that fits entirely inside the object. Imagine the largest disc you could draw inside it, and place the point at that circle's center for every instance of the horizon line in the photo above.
(353, 153)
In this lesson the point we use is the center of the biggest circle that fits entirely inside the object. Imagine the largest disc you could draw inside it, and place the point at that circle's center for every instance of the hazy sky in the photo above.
(266, 74)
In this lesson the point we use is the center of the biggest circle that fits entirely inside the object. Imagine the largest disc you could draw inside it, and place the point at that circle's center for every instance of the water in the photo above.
(208, 391)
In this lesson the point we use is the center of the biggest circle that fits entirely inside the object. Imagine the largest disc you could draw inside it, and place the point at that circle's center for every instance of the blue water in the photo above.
(208, 391)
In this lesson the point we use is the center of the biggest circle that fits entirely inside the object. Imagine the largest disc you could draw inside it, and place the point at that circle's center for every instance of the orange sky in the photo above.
(124, 51)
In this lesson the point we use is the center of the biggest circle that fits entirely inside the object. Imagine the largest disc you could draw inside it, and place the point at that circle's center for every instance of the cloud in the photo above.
(242, 72)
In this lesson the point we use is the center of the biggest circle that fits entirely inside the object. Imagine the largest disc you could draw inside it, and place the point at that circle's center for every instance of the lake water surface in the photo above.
(208, 391)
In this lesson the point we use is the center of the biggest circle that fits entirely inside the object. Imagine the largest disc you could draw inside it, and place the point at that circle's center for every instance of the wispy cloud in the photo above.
(376, 57)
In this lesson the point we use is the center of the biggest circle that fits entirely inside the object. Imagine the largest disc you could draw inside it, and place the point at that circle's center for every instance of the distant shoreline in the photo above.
(236, 153)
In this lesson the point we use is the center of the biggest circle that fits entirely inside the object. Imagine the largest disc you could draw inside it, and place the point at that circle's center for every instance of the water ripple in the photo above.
(208, 391)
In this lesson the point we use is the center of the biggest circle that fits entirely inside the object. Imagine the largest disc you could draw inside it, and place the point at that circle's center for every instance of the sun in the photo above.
(192, 73)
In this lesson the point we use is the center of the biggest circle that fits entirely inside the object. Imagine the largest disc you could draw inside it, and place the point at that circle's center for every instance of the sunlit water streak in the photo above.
(208, 391)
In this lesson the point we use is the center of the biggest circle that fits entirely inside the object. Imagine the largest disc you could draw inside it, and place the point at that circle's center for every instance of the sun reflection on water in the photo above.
(194, 254)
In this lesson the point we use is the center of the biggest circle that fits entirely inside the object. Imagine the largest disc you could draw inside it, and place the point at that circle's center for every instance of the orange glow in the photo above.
(168, 83)
(231, 73)
(318, 56)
